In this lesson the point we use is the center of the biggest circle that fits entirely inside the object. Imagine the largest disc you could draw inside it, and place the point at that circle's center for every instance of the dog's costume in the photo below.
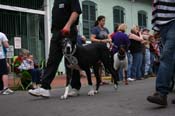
(120, 61)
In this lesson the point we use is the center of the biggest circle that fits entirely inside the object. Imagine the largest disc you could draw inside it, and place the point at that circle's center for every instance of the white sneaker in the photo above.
(7, 91)
(130, 79)
(73, 93)
(39, 92)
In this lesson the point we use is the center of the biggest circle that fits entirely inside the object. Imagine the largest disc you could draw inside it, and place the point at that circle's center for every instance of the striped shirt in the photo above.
(163, 13)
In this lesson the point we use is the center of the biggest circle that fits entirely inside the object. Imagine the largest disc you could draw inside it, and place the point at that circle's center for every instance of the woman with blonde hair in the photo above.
(120, 38)
(122, 27)
(121, 41)
(136, 49)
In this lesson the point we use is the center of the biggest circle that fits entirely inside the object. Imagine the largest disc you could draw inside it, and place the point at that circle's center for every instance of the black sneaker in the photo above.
(158, 99)
(173, 101)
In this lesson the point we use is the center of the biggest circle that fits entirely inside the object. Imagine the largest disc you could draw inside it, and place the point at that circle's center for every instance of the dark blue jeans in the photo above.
(129, 64)
(36, 73)
(167, 59)
(136, 65)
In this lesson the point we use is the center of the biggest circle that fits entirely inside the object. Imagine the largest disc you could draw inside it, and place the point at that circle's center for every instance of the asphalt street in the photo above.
(128, 100)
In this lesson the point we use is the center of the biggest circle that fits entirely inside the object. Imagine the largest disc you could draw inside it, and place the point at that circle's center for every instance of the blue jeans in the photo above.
(167, 59)
(136, 65)
(143, 64)
(129, 64)
(147, 61)
(152, 62)
(36, 73)
(120, 74)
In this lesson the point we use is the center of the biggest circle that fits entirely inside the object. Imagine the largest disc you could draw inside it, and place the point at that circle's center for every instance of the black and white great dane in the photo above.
(83, 58)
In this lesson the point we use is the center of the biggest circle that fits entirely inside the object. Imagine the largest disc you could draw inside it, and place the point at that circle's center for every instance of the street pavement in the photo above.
(128, 100)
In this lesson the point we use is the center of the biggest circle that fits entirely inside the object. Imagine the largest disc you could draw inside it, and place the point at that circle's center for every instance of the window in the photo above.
(30, 27)
(142, 18)
(118, 15)
(89, 17)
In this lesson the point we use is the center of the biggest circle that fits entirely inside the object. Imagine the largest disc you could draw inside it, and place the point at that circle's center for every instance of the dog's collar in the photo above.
(71, 54)
(71, 59)
(121, 57)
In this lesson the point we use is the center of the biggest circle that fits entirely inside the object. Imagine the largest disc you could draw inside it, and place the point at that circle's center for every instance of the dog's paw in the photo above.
(63, 97)
(96, 91)
(116, 87)
(91, 93)
(73, 93)
(126, 83)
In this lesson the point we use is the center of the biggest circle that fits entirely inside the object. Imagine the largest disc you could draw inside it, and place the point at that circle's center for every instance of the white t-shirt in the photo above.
(3, 38)
(26, 65)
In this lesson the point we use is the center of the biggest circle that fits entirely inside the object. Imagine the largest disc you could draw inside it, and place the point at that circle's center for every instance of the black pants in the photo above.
(55, 56)
(1, 84)
(3, 70)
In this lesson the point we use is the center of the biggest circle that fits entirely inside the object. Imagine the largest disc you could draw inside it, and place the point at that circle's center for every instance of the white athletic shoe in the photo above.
(7, 91)
(39, 92)
(73, 93)
(130, 79)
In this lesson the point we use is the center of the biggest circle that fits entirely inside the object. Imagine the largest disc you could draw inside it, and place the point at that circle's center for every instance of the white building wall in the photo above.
(105, 7)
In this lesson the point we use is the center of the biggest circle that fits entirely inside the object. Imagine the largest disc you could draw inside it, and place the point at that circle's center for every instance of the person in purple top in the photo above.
(120, 39)
(121, 42)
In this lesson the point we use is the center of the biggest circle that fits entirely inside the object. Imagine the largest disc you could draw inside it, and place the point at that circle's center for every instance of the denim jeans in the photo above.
(35, 75)
(152, 62)
(143, 64)
(129, 64)
(136, 65)
(120, 74)
(167, 59)
(147, 61)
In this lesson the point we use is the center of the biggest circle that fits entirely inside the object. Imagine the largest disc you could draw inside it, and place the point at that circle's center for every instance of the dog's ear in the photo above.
(123, 47)
(64, 42)
(121, 51)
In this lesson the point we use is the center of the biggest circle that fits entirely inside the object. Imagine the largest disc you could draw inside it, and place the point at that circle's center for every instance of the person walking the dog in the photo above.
(65, 18)
(164, 22)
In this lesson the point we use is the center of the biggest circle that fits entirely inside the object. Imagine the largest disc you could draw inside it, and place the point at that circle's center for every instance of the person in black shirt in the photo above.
(65, 17)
